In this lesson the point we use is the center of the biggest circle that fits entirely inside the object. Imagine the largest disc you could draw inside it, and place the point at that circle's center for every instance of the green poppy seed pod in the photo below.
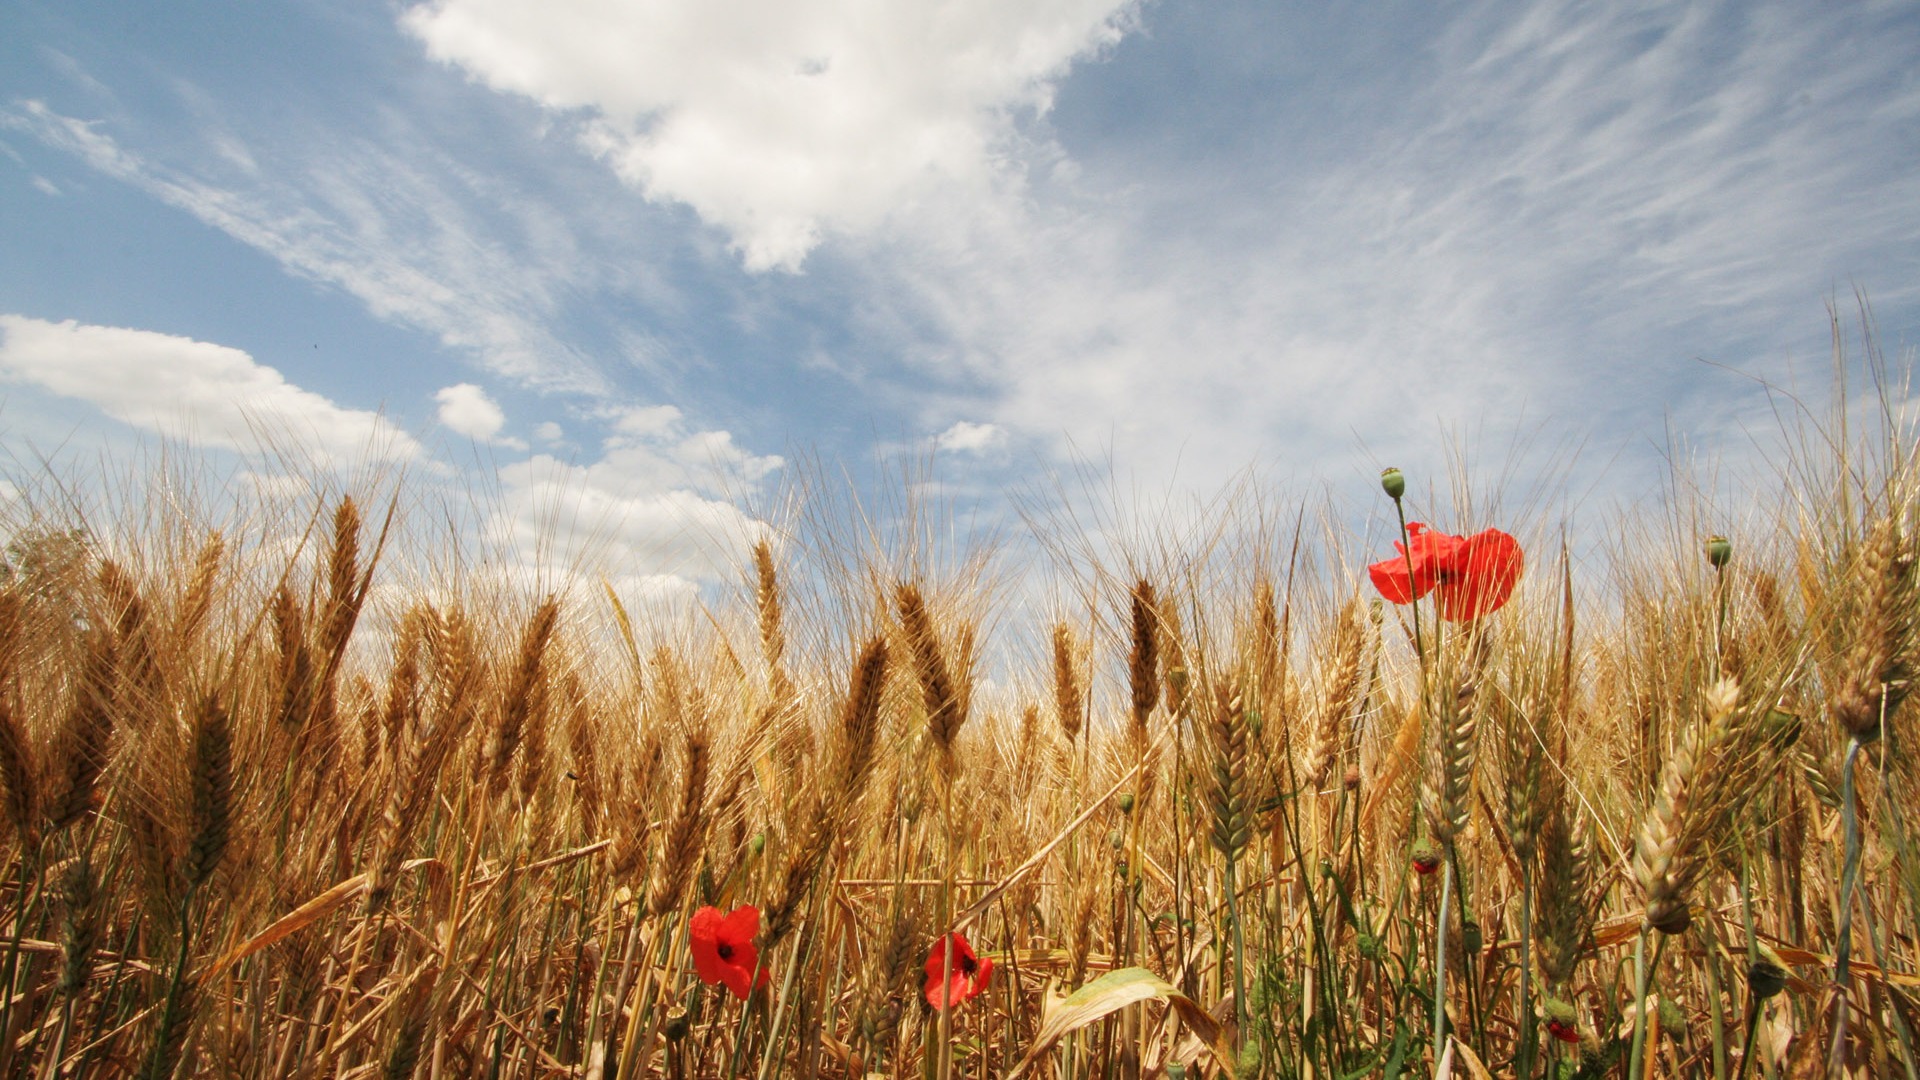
(1115, 840)
(1719, 551)
(677, 1025)
(1471, 937)
(1767, 976)
(1126, 802)
(758, 844)
(1393, 483)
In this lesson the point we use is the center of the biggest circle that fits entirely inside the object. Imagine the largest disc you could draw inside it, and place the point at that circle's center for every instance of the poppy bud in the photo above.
(758, 844)
(1562, 1022)
(1719, 551)
(1426, 856)
(1471, 937)
(1126, 802)
(1393, 483)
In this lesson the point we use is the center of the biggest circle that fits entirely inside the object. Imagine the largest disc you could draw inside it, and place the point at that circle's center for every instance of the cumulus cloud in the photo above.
(209, 395)
(966, 437)
(660, 509)
(466, 409)
(780, 121)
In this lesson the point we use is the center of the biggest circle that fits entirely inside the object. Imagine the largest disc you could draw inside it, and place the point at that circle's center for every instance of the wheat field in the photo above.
(1214, 808)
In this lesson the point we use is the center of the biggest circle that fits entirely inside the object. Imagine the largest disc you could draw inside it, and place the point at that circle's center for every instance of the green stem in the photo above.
(1716, 1021)
(1639, 1003)
(1440, 963)
(1843, 935)
(1529, 1030)
(1406, 551)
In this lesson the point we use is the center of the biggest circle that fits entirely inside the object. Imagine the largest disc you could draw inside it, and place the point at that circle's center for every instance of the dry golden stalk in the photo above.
(1456, 729)
(80, 928)
(1342, 694)
(1522, 763)
(1143, 660)
(415, 786)
(1665, 862)
(128, 612)
(888, 971)
(773, 637)
(827, 814)
(585, 773)
(18, 773)
(1069, 702)
(343, 579)
(1227, 781)
(685, 833)
(212, 800)
(84, 737)
(296, 660)
(859, 734)
(944, 700)
(400, 710)
(1086, 903)
(1878, 671)
(197, 601)
(170, 1036)
(523, 687)
(1562, 914)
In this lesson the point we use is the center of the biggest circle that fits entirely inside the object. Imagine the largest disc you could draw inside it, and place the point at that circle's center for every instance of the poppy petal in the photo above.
(1481, 576)
(1391, 577)
(703, 934)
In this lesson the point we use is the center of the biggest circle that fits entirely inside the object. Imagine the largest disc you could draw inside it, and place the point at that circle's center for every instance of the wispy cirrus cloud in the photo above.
(394, 231)
(1544, 214)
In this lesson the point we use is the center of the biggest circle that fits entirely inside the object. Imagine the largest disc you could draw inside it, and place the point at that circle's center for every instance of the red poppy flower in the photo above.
(967, 974)
(722, 947)
(1563, 1031)
(1469, 576)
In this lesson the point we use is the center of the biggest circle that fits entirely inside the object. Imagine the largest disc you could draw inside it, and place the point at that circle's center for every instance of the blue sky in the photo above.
(625, 264)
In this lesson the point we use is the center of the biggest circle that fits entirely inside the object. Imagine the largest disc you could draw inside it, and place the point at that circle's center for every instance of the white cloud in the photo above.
(549, 432)
(207, 394)
(466, 409)
(45, 186)
(966, 437)
(780, 121)
(661, 505)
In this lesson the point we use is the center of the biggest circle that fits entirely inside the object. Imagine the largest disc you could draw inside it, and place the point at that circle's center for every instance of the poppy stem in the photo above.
(1440, 963)
(946, 953)
(1406, 552)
